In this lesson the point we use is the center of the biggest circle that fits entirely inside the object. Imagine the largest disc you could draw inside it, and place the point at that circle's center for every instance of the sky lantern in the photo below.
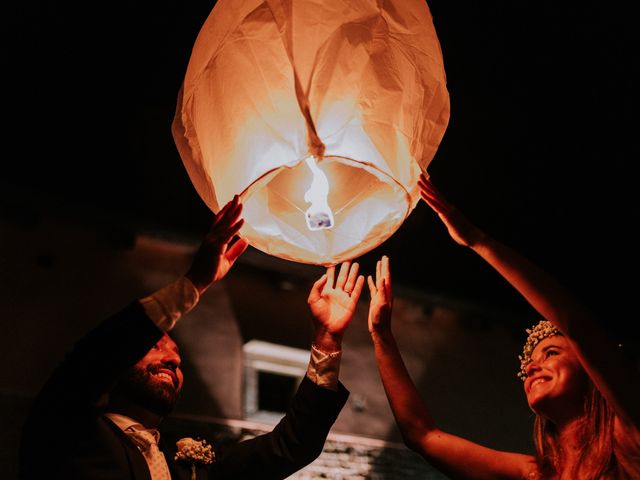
(320, 113)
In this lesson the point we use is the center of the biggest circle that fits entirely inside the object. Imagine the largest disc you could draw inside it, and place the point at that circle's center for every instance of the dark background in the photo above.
(539, 150)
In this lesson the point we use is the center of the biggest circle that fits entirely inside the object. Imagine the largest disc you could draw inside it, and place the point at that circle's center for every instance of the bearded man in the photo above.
(98, 415)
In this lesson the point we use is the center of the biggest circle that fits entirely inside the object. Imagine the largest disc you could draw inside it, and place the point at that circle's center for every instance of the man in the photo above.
(97, 416)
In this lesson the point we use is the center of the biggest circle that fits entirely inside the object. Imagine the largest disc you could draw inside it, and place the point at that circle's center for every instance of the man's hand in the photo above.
(381, 297)
(215, 256)
(333, 302)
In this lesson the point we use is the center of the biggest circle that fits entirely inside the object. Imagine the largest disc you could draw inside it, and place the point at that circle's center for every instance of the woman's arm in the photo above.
(455, 456)
(617, 379)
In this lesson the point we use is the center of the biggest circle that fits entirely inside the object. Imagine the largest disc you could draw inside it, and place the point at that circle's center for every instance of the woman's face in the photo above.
(556, 383)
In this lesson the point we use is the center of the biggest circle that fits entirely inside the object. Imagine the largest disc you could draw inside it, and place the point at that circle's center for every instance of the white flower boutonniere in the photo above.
(194, 452)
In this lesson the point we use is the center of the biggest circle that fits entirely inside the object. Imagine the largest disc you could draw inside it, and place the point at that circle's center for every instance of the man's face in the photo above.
(156, 380)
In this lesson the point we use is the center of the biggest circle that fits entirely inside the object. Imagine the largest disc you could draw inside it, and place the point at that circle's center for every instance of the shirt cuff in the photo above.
(167, 305)
(324, 368)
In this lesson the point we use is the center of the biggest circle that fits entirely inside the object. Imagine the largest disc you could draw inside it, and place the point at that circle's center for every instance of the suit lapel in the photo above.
(137, 463)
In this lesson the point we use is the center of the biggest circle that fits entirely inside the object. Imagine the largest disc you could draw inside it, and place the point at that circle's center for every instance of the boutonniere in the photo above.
(194, 452)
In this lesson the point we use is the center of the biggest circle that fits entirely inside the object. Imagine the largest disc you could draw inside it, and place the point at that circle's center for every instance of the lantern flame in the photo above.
(319, 215)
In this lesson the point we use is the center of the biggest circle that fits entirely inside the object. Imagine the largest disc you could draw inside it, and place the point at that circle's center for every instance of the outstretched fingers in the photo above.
(220, 239)
(352, 276)
(227, 223)
(385, 272)
(331, 273)
(381, 285)
(229, 215)
(235, 250)
(436, 204)
(229, 211)
(432, 196)
(316, 289)
(372, 286)
(227, 206)
(357, 289)
(343, 275)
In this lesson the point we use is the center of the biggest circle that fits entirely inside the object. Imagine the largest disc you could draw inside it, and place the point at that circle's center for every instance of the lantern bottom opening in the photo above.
(368, 206)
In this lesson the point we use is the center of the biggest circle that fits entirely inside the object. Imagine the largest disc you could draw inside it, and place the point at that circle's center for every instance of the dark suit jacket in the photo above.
(67, 436)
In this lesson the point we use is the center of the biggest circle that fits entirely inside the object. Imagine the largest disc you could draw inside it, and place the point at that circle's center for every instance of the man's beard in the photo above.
(139, 386)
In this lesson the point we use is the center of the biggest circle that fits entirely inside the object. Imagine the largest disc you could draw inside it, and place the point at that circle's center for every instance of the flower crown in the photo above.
(537, 333)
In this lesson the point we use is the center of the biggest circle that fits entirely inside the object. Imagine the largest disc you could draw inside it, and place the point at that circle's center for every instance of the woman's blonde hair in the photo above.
(596, 458)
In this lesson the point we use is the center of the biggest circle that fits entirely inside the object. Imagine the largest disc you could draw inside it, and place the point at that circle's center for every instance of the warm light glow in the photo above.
(319, 215)
(321, 114)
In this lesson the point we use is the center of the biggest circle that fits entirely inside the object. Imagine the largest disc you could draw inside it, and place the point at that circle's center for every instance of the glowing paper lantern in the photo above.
(321, 112)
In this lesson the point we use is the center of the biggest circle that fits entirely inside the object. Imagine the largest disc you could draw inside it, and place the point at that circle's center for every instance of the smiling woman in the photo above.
(553, 367)
(556, 367)
(565, 400)
(583, 391)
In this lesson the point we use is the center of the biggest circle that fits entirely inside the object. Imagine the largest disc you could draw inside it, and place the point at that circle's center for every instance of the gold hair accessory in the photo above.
(537, 333)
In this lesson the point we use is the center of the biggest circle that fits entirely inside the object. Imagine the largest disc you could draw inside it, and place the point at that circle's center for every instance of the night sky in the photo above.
(539, 150)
